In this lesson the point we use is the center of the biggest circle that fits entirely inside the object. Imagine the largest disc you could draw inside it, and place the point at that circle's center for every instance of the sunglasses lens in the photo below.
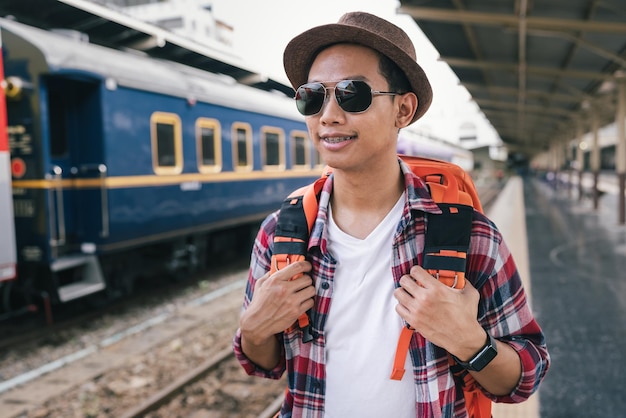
(310, 98)
(353, 95)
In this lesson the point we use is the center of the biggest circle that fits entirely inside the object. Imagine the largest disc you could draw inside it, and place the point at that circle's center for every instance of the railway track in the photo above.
(34, 329)
(165, 365)
(177, 387)
(197, 391)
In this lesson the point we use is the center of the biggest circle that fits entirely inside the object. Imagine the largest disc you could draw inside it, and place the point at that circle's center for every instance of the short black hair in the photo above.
(397, 80)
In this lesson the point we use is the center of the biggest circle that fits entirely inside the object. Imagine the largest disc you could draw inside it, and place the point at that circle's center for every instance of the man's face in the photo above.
(353, 141)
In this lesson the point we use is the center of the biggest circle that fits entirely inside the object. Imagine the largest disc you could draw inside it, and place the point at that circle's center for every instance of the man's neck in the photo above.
(361, 201)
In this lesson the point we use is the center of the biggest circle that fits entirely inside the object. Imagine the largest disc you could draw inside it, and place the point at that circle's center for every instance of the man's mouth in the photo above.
(337, 139)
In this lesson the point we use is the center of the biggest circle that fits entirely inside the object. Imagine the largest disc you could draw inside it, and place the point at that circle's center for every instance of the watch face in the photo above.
(483, 357)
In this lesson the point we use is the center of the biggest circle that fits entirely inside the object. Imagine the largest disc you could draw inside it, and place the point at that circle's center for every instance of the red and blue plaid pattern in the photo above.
(503, 312)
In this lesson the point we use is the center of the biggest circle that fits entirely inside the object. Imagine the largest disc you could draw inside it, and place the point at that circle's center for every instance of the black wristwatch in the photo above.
(482, 358)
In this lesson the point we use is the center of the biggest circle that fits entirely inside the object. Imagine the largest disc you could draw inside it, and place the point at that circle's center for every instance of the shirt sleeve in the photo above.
(259, 265)
(504, 310)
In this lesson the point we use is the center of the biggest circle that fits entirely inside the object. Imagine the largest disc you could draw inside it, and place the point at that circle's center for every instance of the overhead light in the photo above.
(607, 86)
(150, 42)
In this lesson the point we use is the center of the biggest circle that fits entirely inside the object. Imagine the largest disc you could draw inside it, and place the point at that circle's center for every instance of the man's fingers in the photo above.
(422, 277)
(293, 270)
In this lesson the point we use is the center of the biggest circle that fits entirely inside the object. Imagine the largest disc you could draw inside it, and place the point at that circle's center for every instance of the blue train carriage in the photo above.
(129, 163)
(7, 230)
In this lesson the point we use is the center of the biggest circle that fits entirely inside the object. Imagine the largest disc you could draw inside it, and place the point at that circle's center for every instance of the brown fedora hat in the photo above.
(364, 29)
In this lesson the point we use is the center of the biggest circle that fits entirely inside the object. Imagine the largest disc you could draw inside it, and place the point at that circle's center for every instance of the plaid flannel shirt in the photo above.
(503, 312)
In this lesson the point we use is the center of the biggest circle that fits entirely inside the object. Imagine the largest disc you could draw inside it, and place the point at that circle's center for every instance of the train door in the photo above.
(77, 176)
(7, 227)
(75, 143)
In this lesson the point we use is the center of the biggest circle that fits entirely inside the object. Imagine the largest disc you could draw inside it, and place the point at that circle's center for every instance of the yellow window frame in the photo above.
(307, 150)
(167, 119)
(281, 148)
(235, 146)
(214, 124)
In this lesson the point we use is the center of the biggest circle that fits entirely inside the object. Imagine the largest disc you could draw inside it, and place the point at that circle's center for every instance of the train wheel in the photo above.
(15, 301)
(120, 283)
(199, 258)
(184, 261)
(5, 297)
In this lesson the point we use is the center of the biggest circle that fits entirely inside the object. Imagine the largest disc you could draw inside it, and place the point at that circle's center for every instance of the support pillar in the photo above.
(553, 166)
(571, 168)
(620, 149)
(595, 159)
(580, 158)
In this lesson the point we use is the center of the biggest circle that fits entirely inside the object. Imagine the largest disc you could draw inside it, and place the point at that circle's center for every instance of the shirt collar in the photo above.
(417, 199)
(417, 192)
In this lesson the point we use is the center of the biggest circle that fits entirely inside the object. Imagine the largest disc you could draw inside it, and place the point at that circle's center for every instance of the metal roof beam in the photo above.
(503, 66)
(506, 112)
(522, 9)
(511, 91)
(529, 109)
(496, 19)
(598, 50)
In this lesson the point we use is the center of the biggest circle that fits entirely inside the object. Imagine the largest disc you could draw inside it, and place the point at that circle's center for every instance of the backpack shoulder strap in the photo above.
(445, 253)
(446, 246)
(295, 222)
(447, 234)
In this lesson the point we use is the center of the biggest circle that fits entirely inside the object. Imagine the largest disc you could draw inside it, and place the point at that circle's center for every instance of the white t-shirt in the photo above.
(363, 327)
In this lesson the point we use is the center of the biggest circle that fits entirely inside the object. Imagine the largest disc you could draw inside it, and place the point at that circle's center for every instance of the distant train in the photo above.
(413, 142)
(123, 165)
(607, 141)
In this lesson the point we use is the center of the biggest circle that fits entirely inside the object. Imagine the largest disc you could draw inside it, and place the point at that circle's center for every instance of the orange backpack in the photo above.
(445, 251)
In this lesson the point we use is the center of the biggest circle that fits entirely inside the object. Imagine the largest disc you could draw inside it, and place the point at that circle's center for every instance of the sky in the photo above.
(262, 29)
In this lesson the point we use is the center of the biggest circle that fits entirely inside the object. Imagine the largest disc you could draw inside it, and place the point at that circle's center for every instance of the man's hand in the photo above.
(447, 317)
(443, 315)
(276, 304)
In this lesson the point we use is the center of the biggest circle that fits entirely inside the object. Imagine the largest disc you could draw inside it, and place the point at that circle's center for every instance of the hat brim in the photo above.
(302, 50)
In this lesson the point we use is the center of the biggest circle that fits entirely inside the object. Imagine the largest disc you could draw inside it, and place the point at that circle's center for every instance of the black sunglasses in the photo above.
(352, 96)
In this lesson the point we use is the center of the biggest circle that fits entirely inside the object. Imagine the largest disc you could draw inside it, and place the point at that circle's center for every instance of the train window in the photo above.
(317, 158)
(273, 146)
(167, 147)
(300, 155)
(209, 144)
(242, 146)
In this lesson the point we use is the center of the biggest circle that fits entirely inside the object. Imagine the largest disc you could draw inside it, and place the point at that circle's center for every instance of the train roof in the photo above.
(114, 29)
(424, 139)
(66, 52)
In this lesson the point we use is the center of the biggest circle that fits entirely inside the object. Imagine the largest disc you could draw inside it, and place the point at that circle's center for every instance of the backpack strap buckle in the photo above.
(454, 283)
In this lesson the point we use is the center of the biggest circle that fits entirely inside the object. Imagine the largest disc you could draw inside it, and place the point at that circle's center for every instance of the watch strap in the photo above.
(482, 358)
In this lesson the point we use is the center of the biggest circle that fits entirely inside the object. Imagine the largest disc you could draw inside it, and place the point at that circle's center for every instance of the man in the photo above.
(357, 82)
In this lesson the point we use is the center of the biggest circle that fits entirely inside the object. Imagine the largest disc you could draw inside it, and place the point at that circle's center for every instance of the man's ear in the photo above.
(407, 106)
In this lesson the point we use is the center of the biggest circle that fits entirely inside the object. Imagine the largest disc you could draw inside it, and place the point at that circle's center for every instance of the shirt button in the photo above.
(325, 285)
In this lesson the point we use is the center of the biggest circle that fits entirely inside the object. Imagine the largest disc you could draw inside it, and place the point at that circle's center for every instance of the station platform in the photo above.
(573, 259)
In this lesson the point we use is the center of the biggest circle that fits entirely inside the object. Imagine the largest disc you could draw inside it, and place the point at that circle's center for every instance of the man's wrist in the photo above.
(473, 345)
(482, 357)
(250, 331)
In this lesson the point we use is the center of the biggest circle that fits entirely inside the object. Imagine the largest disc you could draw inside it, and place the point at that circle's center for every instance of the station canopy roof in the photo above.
(117, 30)
(537, 69)
(534, 67)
